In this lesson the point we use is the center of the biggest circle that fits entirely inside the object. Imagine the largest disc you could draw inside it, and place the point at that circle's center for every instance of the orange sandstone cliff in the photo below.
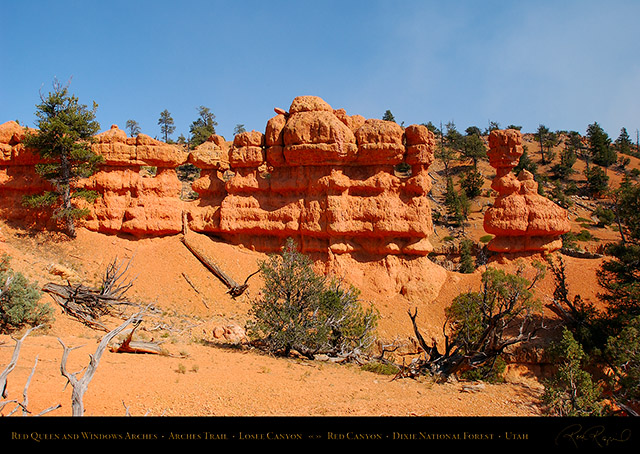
(331, 181)
(326, 179)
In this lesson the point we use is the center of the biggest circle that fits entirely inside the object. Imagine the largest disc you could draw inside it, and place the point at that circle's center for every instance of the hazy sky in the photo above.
(564, 64)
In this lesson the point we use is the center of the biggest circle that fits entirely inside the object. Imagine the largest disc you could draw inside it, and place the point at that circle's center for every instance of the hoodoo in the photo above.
(521, 219)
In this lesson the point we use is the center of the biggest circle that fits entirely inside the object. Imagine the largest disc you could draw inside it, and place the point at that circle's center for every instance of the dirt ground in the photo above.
(201, 375)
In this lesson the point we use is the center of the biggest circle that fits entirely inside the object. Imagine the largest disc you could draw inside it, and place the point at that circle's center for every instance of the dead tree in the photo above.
(5, 373)
(128, 345)
(88, 304)
(80, 385)
(235, 289)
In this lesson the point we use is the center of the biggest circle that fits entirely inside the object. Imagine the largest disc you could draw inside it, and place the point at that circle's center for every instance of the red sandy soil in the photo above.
(198, 375)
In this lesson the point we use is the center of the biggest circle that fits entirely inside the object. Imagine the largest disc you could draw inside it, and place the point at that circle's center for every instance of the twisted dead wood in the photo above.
(88, 304)
(80, 385)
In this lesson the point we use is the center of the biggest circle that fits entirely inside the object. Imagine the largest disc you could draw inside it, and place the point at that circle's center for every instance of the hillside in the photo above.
(200, 374)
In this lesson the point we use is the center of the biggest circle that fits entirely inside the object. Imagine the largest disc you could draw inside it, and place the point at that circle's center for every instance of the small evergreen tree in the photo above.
(473, 130)
(166, 124)
(600, 148)
(65, 133)
(453, 139)
(466, 257)
(388, 116)
(597, 181)
(457, 204)
(564, 168)
(623, 353)
(623, 142)
(571, 392)
(133, 127)
(471, 183)
(480, 325)
(473, 148)
(239, 129)
(204, 127)
(542, 136)
(303, 311)
(526, 163)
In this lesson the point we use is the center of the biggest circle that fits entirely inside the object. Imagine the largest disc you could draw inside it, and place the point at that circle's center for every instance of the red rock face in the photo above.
(324, 178)
(138, 184)
(132, 200)
(327, 179)
(18, 177)
(521, 219)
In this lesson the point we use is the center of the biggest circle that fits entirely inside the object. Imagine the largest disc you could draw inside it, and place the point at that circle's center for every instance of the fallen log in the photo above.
(131, 346)
(235, 289)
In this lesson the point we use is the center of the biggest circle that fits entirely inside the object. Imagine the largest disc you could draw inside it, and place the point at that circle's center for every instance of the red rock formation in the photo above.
(521, 219)
(138, 184)
(327, 180)
(316, 174)
(18, 177)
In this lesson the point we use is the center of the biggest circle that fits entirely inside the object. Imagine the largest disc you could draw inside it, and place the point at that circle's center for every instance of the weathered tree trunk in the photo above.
(80, 386)
(235, 289)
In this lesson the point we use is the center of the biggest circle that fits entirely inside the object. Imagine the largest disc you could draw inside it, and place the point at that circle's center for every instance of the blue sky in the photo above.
(564, 64)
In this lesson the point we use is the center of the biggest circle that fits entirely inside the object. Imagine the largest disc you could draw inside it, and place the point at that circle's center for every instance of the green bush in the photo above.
(486, 238)
(569, 241)
(585, 235)
(571, 391)
(306, 312)
(19, 300)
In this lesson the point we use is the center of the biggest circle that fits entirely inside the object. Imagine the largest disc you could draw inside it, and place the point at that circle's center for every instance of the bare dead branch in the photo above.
(88, 304)
(13, 361)
(3, 381)
(80, 385)
(131, 346)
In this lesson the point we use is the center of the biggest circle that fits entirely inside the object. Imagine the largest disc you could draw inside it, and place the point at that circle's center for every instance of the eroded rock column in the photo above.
(520, 218)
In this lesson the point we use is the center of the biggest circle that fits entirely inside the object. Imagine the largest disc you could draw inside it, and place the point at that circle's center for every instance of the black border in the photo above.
(517, 432)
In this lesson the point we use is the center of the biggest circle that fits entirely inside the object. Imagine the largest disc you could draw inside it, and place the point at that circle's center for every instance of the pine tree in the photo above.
(388, 116)
(623, 142)
(166, 124)
(597, 181)
(466, 257)
(472, 182)
(568, 158)
(572, 392)
(133, 127)
(472, 147)
(457, 204)
(204, 127)
(65, 133)
(600, 146)
(239, 129)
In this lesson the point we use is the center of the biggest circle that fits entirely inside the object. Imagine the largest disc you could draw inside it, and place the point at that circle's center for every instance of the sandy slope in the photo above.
(199, 375)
